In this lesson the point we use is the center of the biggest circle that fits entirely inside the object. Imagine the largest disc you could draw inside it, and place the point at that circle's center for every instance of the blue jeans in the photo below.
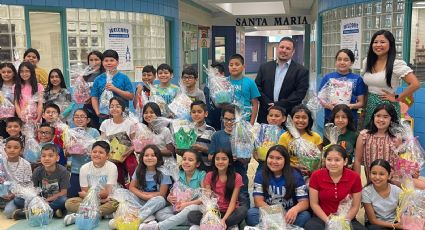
(242, 169)
(58, 203)
(253, 217)
(11, 206)
(169, 220)
(74, 188)
(151, 206)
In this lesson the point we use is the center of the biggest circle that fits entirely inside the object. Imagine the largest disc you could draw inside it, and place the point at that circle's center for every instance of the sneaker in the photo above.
(18, 214)
(234, 227)
(110, 216)
(112, 224)
(153, 225)
(195, 227)
(58, 213)
(69, 219)
(149, 219)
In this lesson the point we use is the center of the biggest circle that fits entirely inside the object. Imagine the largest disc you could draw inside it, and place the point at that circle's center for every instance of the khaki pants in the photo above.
(107, 208)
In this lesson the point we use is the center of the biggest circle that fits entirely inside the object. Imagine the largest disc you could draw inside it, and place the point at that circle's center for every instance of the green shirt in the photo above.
(348, 141)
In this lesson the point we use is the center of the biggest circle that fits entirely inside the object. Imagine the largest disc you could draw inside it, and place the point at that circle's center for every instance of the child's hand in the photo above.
(9, 197)
(82, 194)
(291, 215)
(110, 87)
(172, 199)
(223, 223)
(197, 147)
(181, 206)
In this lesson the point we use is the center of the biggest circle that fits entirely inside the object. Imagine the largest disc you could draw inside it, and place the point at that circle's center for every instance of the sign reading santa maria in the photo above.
(119, 37)
(351, 37)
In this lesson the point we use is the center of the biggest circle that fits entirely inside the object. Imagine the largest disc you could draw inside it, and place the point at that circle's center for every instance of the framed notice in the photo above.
(351, 38)
(119, 37)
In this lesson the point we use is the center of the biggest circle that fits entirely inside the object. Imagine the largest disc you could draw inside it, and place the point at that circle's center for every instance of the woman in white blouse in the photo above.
(382, 74)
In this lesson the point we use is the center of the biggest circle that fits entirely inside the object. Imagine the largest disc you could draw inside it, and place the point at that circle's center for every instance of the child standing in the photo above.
(245, 89)
(166, 89)
(190, 78)
(303, 121)
(33, 56)
(342, 117)
(120, 86)
(226, 183)
(343, 60)
(214, 113)
(221, 140)
(57, 93)
(148, 76)
(279, 183)
(20, 171)
(25, 89)
(81, 122)
(204, 132)
(329, 186)
(119, 127)
(98, 170)
(192, 178)
(149, 184)
(7, 82)
(46, 135)
(380, 198)
(162, 139)
(52, 178)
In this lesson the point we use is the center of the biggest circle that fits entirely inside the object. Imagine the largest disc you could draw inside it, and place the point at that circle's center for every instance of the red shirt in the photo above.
(330, 193)
(220, 190)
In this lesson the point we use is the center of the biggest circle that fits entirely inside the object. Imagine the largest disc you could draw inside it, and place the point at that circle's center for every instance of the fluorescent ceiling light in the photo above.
(253, 8)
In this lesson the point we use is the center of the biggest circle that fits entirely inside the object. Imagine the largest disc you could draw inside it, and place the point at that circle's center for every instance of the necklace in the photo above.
(16, 167)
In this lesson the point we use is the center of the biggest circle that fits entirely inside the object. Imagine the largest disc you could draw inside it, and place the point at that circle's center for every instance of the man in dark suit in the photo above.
(281, 82)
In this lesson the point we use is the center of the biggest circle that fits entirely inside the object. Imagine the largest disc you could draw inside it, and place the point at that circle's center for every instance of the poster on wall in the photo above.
(351, 38)
(204, 36)
(119, 37)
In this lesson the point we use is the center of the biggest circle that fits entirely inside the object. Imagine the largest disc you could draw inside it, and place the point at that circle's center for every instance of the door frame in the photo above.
(64, 35)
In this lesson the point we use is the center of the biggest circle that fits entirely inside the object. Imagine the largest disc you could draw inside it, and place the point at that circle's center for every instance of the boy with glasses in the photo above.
(189, 79)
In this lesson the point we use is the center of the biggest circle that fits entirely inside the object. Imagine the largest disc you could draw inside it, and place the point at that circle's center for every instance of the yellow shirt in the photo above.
(42, 76)
(286, 138)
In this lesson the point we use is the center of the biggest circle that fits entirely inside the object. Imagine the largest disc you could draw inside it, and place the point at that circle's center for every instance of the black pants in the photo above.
(375, 227)
(237, 216)
(315, 223)
(3, 132)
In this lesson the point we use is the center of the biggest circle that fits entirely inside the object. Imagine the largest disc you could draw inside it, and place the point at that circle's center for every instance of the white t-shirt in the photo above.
(109, 127)
(107, 174)
(376, 82)
(20, 171)
(385, 208)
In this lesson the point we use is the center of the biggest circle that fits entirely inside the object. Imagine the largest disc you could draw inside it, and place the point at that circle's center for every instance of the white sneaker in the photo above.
(194, 227)
(69, 219)
(112, 224)
(149, 219)
(153, 225)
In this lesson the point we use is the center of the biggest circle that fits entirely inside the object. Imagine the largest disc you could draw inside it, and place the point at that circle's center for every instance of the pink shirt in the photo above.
(27, 94)
(220, 190)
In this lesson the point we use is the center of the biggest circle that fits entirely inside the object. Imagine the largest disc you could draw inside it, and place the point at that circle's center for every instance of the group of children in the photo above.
(209, 163)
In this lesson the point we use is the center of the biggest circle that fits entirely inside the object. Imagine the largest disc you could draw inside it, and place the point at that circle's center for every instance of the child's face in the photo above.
(341, 120)
(228, 121)
(343, 62)
(149, 115)
(334, 162)
(45, 134)
(198, 114)
(189, 163)
(236, 67)
(164, 76)
(31, 58)
(80, 119)
(115, 109)
(148, 77)
(379, 176)
(94, 61)
(7, 74)
(13, 129)
(55, 79)
(189, 80)
(275, 117)
(275, 162)
(110, 63)
(25, 73)
(149, 158)
(221, 161)
(382, 119)
(300, 120)
(13, 149)
(99, 156)
(50, 115)
(49, 158)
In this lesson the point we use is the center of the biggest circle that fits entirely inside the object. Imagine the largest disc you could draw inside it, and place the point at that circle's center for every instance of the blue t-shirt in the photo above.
(277, 191)
(359, 88)
(119, 80)
(196, 179)
(245, 90)
(79, 160)
(168, 93)
(220, 140)
(151, 185)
